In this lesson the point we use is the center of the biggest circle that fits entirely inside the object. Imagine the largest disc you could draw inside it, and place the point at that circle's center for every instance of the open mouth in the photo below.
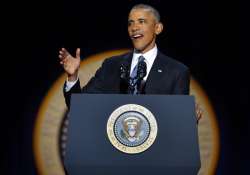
(136, 36)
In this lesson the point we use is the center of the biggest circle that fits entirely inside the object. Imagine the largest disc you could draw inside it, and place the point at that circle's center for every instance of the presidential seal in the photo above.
(132, 128)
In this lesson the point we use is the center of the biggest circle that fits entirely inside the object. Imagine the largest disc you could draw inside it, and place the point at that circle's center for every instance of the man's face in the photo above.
(142, 29)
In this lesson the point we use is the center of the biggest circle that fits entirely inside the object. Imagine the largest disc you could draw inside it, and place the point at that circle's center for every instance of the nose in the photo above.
(135, 27)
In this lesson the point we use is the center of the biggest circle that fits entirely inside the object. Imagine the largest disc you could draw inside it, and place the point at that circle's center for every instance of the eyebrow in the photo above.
(130, 20)
(140, 19)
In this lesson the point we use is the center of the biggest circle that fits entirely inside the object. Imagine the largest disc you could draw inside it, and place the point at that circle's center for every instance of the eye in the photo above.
(130, 23)
(141, 21)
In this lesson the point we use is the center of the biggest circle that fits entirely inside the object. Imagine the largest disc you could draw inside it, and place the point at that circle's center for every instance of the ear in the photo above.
(158, 28)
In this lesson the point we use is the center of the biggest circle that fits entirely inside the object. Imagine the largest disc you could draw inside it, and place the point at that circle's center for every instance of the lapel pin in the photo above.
(159, 70)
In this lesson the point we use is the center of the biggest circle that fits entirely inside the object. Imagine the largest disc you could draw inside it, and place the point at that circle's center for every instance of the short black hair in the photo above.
(149, 8)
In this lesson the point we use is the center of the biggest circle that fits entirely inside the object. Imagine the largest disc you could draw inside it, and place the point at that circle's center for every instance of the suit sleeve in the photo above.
(95, 85)
(75, 89)
(182, 82)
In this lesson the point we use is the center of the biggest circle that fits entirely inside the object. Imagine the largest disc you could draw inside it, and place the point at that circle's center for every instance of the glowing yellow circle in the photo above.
(52, 109)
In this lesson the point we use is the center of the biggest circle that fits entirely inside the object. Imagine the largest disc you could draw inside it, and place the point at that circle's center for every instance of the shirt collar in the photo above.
(149, 55)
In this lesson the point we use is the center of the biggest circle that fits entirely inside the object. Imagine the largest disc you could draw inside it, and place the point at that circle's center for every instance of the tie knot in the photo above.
(134, 71)
(141, 58)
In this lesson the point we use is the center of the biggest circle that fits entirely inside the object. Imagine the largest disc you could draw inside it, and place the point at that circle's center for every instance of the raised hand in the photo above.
(70, 64)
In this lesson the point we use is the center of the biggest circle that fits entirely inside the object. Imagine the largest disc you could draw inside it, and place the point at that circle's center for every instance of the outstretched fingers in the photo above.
(63, 53)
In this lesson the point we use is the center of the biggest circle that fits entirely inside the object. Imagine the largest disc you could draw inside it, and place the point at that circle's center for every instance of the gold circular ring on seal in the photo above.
(127, 108)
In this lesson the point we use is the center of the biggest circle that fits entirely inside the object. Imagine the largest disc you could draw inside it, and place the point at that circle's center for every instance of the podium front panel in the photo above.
(175, 150)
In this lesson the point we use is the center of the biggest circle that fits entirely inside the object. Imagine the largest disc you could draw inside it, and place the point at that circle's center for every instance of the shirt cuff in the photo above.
(70, 84)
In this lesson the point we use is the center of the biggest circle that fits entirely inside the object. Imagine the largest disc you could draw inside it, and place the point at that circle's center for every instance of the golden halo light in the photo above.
(52, 110)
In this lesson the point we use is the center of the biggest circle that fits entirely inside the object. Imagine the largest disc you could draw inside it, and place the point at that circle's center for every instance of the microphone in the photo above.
(124, 71)
(142, 70)
(141, 73)
(132, 85)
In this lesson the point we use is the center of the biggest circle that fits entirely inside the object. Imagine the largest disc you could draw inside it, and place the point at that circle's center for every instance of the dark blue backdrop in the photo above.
(202, 34)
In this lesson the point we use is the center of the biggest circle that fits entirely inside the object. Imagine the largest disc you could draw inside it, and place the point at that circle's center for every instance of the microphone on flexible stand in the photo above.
(132, 85)
(136, 83)
(124, 71)
(142, 70)
(141, 73)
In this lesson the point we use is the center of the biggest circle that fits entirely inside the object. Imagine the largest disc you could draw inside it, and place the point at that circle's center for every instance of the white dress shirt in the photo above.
(69, 84)
(149, 60)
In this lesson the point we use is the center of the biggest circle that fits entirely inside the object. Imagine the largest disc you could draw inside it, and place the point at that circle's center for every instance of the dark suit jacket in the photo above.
(174, 77)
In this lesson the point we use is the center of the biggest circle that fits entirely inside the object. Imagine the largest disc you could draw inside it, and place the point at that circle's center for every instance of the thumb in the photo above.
(78, 53)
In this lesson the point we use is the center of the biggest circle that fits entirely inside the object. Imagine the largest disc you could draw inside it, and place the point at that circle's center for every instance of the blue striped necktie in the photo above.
(134, 73)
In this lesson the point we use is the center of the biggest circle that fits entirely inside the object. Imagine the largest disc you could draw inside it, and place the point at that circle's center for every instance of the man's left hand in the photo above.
(199, 112)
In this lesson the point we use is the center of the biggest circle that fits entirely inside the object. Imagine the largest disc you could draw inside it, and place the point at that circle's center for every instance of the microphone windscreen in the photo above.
(124, 69)
(142, 69)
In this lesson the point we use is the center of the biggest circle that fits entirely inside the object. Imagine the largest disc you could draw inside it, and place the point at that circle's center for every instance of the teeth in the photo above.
(136, 36)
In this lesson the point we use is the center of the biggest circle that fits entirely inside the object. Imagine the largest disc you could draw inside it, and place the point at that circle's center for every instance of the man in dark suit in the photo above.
(164, 75)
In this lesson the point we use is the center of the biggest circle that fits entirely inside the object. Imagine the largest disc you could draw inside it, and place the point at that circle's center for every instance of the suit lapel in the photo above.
(128, 58)
(154, 80)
